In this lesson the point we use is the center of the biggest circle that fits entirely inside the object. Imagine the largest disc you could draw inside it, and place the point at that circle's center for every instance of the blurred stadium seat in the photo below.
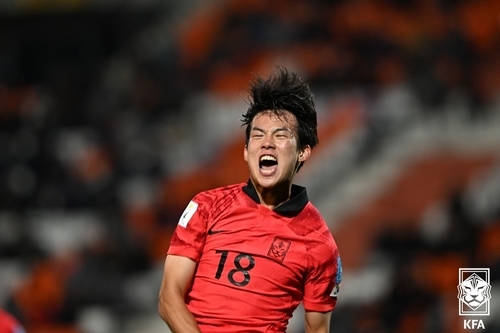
(113, 114)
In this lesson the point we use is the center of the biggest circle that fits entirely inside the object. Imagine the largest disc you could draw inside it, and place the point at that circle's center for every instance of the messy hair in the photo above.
(284, 91)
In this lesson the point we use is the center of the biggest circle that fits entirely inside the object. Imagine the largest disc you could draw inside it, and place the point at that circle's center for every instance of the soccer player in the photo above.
(244, 256)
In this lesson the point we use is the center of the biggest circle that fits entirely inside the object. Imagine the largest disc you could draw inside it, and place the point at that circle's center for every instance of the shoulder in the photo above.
(321, 236)
(225, 189)
(219, 193)
(218, 199)
(313, 213)
(315, 221)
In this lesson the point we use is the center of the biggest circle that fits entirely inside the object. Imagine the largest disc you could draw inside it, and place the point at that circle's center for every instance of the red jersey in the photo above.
(255, 265)
(9, 324)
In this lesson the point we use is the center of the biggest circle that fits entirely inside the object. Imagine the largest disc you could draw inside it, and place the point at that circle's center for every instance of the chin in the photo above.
(263, 182)
(270, 183)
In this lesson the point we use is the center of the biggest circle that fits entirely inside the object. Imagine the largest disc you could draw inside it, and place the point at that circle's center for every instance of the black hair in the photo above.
(284, 91)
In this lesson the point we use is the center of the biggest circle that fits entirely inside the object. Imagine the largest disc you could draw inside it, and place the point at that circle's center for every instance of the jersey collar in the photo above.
(298, 198)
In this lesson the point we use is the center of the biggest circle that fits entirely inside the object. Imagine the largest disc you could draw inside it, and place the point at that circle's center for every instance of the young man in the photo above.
(244, 256)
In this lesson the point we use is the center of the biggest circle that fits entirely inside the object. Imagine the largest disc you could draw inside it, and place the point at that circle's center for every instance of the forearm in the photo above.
(177, 316)
(317, 322)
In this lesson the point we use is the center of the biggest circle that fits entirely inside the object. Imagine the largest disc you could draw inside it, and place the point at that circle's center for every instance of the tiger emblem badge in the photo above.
(474, 291)
(279, 249)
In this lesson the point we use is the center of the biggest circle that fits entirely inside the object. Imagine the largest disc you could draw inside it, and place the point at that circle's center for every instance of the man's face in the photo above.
(272, 151)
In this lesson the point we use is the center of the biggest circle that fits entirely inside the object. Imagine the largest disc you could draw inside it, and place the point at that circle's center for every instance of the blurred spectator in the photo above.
(101, 110)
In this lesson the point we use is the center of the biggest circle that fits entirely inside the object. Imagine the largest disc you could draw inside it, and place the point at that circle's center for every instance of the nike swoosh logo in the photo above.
(213, 232)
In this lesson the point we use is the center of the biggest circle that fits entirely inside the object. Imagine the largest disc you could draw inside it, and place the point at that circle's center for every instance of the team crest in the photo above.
(474, 291)
(279, 249)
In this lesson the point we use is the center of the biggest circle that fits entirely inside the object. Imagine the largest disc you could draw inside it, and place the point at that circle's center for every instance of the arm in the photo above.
(177, 276)
(317, 322)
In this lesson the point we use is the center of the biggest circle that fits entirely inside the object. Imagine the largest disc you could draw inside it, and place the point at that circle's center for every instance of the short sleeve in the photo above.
(189, 235)
(323, 280)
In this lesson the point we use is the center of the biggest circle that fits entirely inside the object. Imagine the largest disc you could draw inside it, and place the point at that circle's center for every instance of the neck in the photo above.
(273, 197)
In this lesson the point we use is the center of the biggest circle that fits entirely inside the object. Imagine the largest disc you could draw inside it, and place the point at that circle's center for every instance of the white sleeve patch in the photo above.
(335, 290)
(188, 214)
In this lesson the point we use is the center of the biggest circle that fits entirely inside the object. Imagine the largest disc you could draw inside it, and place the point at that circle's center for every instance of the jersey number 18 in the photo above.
(238, 267)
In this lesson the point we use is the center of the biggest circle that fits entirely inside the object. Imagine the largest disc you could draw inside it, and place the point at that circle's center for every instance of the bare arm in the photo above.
(177, 276)
(317, 322)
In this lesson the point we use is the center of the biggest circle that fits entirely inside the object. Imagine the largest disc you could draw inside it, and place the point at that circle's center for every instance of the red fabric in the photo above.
(254, 263)
(9, 324)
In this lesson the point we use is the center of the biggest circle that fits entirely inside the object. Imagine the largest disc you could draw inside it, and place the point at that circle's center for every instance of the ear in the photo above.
(304, 154)
(245, 153)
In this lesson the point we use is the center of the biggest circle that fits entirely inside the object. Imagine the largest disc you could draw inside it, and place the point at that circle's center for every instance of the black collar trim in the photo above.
(298, 198)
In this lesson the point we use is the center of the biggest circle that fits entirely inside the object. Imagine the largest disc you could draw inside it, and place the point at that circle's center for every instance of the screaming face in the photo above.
(272, 151)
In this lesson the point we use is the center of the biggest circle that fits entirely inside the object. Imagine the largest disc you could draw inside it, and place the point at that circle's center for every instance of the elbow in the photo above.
(161, 310)
(163, 307)
(168, 304)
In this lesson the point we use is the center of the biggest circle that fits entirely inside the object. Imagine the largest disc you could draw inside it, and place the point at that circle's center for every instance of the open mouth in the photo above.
(268, 163)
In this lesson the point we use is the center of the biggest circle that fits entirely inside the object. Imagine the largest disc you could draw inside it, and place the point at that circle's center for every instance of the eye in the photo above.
(282, 135)
(256, 135)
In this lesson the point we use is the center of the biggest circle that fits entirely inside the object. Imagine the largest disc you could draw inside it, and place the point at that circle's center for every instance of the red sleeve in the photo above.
(190, 233)
(10, 323)
(322, 282)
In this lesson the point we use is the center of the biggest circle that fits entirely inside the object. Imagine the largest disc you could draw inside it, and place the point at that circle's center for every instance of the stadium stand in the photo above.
(113, 114)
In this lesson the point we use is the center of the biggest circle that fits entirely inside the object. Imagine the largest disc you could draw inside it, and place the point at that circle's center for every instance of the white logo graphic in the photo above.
(188, 213)
(474, 291)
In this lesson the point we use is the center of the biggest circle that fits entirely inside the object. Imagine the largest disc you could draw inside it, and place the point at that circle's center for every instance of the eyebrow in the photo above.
(255, 128)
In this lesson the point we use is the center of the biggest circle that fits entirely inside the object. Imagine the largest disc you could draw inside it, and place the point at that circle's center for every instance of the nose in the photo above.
(268, 141)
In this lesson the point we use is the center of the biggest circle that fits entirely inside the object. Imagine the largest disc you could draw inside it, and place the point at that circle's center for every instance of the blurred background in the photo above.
(114, 113)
